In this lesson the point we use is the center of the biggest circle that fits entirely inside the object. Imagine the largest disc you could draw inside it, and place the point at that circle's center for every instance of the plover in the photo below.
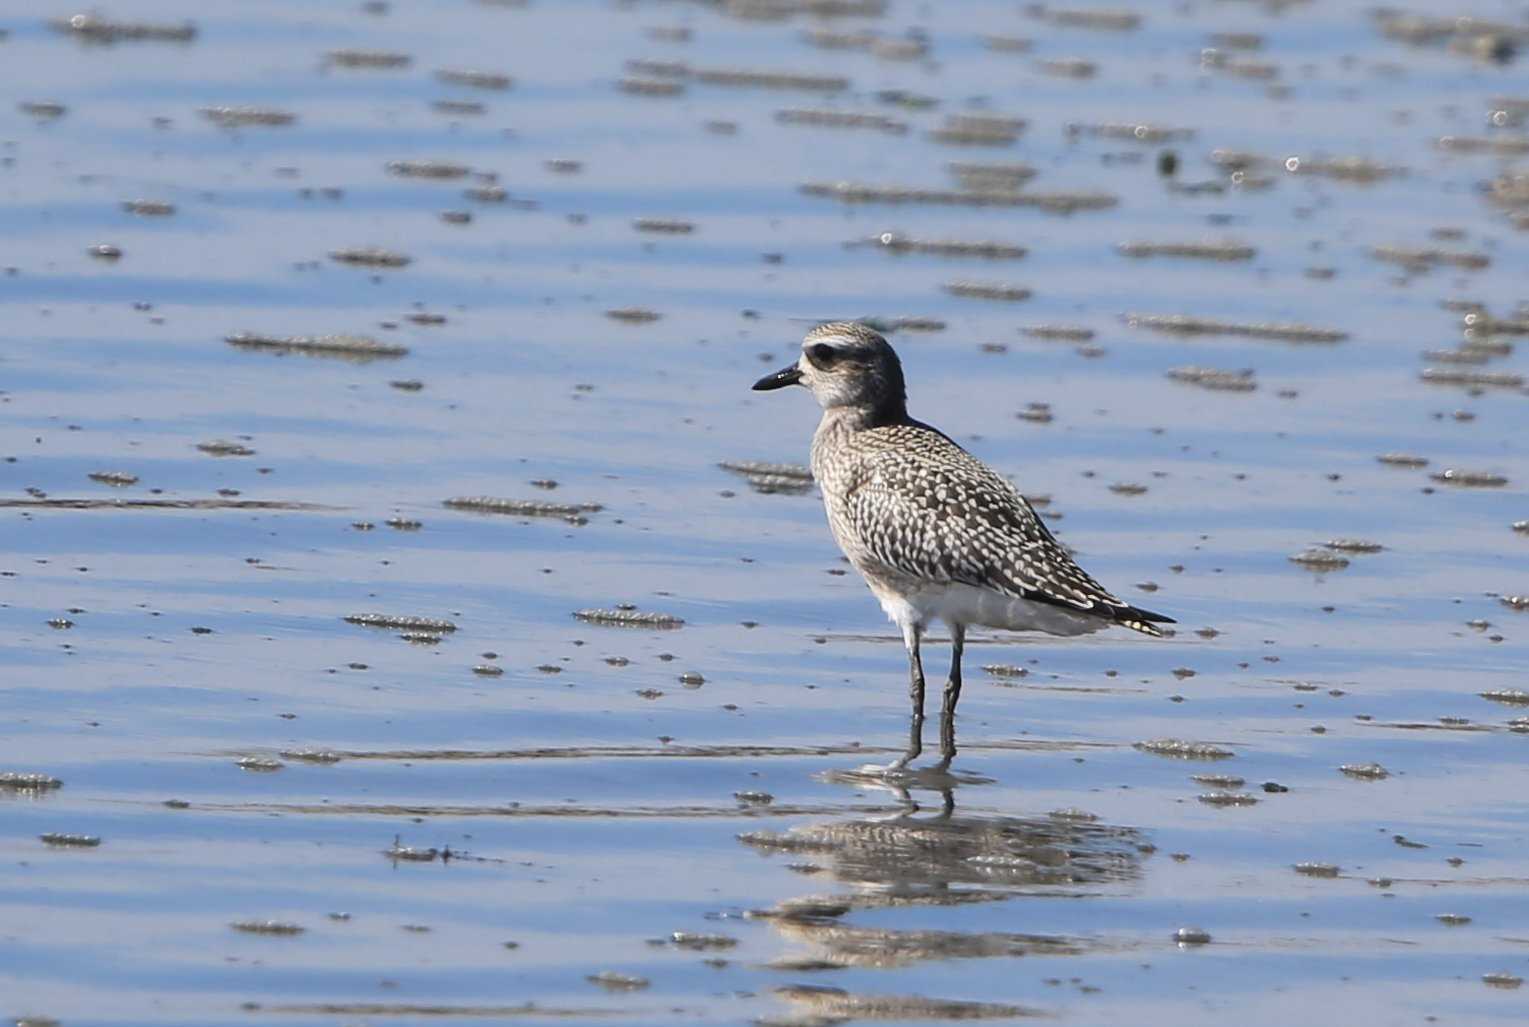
(935, 532)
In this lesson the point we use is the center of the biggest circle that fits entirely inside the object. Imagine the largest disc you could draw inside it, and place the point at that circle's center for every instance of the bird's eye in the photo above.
(822, 354)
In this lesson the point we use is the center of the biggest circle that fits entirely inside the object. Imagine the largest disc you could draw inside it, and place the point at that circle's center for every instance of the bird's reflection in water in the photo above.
(931, 854)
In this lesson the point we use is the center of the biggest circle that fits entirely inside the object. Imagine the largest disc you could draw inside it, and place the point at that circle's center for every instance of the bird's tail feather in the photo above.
(1144, 621)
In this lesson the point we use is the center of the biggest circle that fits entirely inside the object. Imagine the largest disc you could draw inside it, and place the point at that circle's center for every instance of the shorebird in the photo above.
(935, 532)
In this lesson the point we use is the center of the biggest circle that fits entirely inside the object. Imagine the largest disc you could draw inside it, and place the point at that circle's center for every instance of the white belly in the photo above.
(967, 604)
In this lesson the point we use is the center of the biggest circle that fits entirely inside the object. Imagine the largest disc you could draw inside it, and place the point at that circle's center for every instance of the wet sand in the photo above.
(409, 614)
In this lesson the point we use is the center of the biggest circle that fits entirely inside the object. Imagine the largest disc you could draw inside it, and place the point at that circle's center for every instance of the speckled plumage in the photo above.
(911, 509)
(935, 532)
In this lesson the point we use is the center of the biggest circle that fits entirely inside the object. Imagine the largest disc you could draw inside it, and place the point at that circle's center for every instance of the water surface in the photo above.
(177, 667)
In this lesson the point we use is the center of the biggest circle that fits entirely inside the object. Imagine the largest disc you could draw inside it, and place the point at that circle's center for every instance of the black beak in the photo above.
(780, 379)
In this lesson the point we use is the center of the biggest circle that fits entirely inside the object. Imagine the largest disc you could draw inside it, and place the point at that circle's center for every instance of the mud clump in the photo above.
(839, 1005)
(222, 447)
(1470, 479)
(649, 87)
(1365, 771)
(573, 513)
(891, 48)
(14, 781)
(1177, 748)
(622, 618)
(1423, 258)
(474, 79)
(1472, 379)
(1314, 869)
(1227, 251)
(43, 110)
(1102, 20)
(95, 28)
(818, 118)
(1353, 545)
(1319, 560)
(320, 756)
(702, 942)
(409, 853)
(1055, 203)
(346, 347)
(978, 130)
(888, 325)
(1188, 324)
(275, 928)
(1360, 170)
(1068, 67)
(242, 117)
(1129, 132)
(1005, 176)
(895, 242)
(797, 471)
(988, 291)
(771, 80)
(433, 625)
(437, 169)
(1228, 799)
(771, 478)
(633, 315)
(148, 208)
(1407, 460)
(610, 980)
(1214, 379)
(1507, 696)
(664, 226)
(370, 256)
(367, 59)
(739, 77)
(1058, 333)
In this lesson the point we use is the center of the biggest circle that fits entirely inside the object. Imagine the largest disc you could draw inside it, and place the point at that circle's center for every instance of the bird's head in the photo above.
(845, 364)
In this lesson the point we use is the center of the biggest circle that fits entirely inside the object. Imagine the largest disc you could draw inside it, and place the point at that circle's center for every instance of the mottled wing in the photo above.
(927, 508)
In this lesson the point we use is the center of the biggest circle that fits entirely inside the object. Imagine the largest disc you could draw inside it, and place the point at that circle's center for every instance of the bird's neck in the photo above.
(846, 420)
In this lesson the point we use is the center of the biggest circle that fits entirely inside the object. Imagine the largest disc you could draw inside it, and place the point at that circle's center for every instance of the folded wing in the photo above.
(946, 517)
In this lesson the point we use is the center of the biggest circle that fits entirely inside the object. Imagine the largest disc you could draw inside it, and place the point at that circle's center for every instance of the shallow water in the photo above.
(591, 801)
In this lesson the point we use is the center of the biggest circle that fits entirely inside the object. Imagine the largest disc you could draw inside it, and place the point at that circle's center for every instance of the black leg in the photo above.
(916, 693)
(951, 697)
